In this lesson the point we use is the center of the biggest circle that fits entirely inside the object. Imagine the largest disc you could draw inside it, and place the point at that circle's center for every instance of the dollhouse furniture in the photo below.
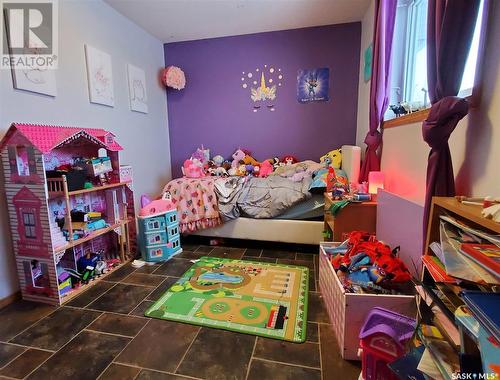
(159, 231)
(355, 216)
(38, 206)
(383, 338)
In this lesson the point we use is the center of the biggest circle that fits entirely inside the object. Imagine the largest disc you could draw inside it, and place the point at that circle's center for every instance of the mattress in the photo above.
(308, 209)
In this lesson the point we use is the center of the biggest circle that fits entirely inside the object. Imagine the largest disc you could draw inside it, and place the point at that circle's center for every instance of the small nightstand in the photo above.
(355, 216)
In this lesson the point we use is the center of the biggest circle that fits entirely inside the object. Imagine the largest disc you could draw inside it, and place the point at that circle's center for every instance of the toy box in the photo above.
(348, 311)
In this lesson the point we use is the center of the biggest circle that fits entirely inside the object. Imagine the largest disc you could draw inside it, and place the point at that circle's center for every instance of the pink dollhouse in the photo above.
(47, 242)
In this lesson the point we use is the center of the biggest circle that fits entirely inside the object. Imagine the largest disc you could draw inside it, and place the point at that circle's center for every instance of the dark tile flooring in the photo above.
(103, 332)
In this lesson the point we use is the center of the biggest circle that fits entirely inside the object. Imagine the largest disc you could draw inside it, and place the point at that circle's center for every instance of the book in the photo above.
(436, 248)
(486, 255)
(458, 265)
(443, 355)
(485, 307)
(428, 367)
(436, 270)
(494, 239)
(405, 367)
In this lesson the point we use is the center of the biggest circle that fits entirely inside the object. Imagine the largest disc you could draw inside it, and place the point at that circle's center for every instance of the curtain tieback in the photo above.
(373, 140)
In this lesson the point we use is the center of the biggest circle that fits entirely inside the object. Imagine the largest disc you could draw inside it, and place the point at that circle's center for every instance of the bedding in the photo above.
(261, 197)
(309, 209)
(196, 202)
(208, 201)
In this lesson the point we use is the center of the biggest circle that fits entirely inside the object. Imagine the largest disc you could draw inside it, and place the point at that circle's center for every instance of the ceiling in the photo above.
(184, 20)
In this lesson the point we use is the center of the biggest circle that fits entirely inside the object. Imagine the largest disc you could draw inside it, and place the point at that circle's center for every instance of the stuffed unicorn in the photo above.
(238, 156)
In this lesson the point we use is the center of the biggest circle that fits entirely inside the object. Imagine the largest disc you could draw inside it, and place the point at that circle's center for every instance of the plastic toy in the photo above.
(156, 207)
(64, 281)
(159, 230)
(383, 339)
(333, 158)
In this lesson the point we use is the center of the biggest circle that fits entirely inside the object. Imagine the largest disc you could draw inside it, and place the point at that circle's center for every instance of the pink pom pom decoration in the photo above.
(173, 76)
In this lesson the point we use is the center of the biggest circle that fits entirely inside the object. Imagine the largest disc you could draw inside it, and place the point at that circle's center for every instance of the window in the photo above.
(409, 56)
(154, 224)
(154, 239)
(156, 252)
(29, 225)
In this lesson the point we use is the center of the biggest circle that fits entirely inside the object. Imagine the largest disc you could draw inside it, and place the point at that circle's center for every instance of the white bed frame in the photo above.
(279, 230)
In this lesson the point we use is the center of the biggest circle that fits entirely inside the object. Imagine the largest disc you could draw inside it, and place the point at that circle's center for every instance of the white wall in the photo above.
(143, 136)
(475, 144)
(364, 87)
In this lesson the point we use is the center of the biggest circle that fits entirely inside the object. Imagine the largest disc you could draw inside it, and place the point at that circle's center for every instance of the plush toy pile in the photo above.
(325, 174)
(364, 264)
(241, 164)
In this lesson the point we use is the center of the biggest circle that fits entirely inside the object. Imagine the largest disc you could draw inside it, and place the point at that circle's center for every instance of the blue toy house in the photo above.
(159, 236)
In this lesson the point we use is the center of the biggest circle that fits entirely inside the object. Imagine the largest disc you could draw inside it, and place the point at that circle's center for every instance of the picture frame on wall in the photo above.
(313, 85)
(32, 78)
(99, 76)
(37, 80)
(137, 89)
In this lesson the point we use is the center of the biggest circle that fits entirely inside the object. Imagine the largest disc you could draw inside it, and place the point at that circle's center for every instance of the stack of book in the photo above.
(465, 270)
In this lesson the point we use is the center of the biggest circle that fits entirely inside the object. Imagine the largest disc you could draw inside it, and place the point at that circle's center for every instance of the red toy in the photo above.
(384, 263)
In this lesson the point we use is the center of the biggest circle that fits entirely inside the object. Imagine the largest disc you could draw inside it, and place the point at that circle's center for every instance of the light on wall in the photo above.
(375, 182)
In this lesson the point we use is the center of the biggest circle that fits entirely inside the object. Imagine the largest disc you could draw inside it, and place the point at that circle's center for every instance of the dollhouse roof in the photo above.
(47, 137)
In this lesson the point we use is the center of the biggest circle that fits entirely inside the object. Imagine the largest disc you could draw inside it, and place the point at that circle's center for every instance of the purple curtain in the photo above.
(385, 15)
(450, 28)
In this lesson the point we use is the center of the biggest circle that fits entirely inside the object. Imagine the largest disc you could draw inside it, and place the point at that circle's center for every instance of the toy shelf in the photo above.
(56, 187)
(93, 235)
(75, 292)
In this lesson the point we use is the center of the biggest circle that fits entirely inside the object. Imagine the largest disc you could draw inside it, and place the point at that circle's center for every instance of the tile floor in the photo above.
(103, 333)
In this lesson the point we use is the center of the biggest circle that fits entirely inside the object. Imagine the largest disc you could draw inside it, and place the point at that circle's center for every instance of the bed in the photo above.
(277, 208)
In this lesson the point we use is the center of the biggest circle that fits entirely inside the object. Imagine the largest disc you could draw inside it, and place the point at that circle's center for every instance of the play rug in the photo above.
(256, 298)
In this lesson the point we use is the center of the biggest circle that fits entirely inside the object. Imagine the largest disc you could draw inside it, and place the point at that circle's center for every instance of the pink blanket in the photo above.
(196, 202)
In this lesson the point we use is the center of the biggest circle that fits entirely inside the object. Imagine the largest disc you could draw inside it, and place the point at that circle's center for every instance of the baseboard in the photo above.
(10, 299)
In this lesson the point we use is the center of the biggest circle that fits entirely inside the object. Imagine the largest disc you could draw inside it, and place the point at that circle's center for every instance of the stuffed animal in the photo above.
(201, 154)
(333, 158)
(220, 172)
(238, 156)
(289, 160)
(277, 163)
(265, 169)
(249, 160)
(242, 170)
(218, 160)
(226, 165)
(249, 169)
(193, 168)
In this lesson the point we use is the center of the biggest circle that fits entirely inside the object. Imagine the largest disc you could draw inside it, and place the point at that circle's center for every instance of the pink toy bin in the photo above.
(383, 339)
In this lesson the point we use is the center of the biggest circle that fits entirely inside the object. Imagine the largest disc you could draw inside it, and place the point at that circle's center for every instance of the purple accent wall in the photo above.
(216, 111)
